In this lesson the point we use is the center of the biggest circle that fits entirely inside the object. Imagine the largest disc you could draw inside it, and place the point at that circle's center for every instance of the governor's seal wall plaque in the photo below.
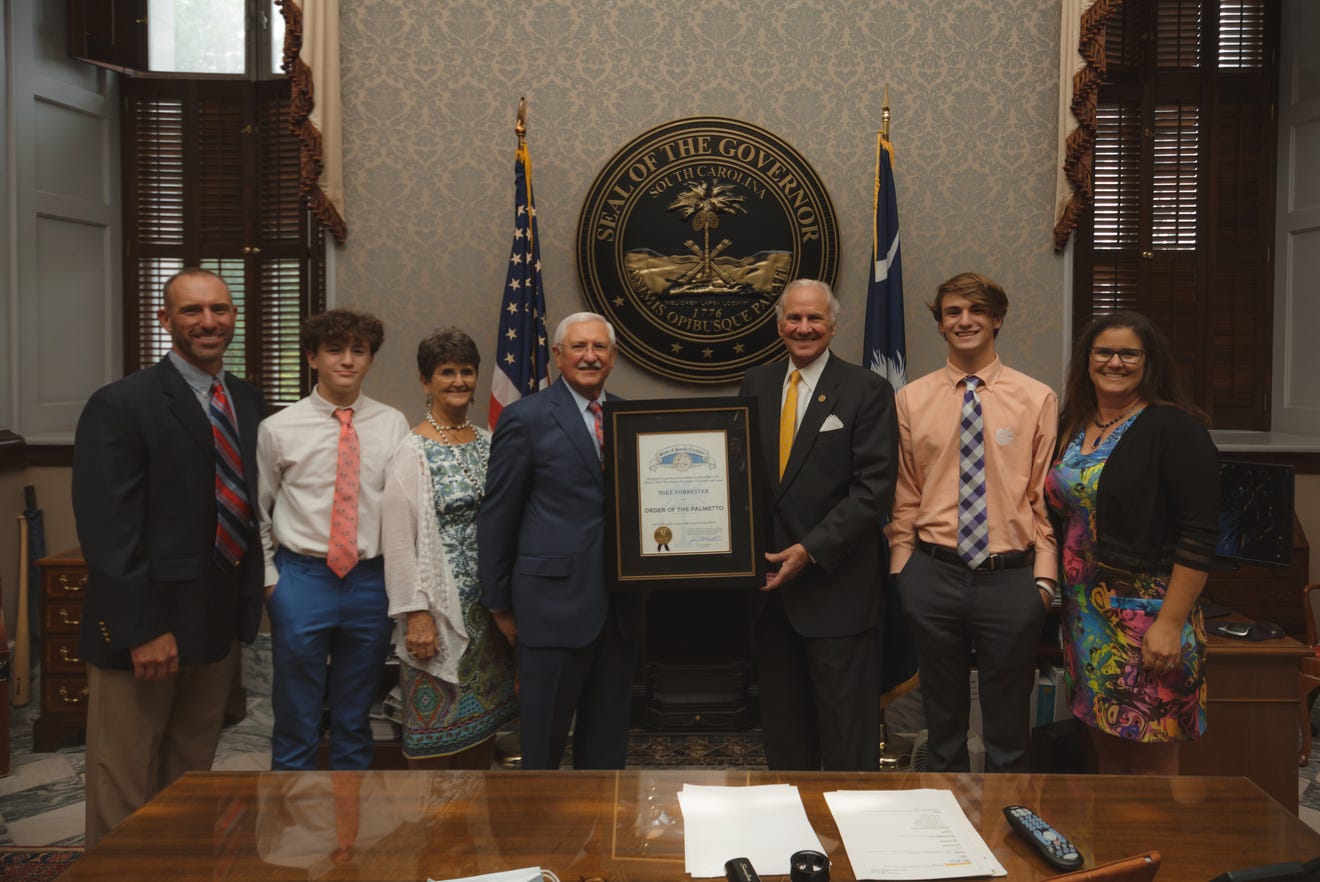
(688, 236)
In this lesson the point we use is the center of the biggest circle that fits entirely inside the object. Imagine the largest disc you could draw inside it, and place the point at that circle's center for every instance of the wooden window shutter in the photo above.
(211, 180)
(1182, 225)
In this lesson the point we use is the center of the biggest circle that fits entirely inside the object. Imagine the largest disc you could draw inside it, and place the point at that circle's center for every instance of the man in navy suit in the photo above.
(174, 570)
(829, 436)
(541, 559)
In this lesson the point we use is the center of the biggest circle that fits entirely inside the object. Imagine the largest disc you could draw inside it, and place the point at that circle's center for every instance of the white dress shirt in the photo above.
(297, 457)
(808, 378)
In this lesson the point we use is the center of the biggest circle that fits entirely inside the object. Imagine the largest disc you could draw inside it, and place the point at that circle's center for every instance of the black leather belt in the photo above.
(1008, 560)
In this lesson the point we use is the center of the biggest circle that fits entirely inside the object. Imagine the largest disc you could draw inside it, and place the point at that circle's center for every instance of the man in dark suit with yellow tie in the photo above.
(829, 436)
(164, 484)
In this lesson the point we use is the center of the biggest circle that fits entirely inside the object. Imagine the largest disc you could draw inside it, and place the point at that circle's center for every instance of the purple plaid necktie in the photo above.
(973, 533)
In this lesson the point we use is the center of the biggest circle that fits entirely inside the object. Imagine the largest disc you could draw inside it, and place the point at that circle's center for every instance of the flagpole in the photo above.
(520, 125)
(884, 115)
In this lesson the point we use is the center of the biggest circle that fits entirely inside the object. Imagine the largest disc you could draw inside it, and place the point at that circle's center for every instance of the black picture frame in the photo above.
(629, 427)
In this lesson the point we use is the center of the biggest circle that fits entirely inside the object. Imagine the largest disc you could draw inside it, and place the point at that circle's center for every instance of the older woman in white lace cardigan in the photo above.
(457, 672)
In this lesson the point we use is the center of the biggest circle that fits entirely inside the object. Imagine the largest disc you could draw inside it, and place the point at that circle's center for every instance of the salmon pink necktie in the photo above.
(343, 552)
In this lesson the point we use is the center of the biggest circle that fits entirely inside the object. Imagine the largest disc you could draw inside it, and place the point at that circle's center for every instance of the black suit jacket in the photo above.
(837, 487)
(144, 500)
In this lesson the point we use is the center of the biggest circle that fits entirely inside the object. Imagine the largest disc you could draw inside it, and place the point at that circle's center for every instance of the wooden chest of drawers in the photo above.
(63, 672)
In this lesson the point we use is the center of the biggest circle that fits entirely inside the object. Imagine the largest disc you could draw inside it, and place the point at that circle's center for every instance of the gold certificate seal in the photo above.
(662, 537)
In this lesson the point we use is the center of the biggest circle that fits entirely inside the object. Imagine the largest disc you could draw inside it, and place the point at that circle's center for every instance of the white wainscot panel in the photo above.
(65, 138)
(74, 285)
(1303, 256)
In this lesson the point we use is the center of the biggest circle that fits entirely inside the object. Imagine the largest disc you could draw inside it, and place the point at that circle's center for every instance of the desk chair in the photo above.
(1310, 676)
(1139, 868)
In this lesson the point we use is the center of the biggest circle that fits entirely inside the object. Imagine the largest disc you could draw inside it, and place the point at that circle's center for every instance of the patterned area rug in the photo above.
(695, 751)
(35, 864)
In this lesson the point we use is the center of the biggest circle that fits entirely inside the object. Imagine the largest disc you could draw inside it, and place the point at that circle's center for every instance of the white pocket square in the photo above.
(831, 423)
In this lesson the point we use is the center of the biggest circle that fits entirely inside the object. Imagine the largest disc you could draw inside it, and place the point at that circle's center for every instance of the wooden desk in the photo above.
(1252, 718)
(628, 827)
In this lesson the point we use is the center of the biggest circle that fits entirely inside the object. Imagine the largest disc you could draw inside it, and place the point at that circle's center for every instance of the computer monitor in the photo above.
(1255, 513)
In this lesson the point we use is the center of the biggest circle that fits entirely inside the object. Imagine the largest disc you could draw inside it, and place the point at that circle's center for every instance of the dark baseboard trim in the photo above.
(16, 453)
(13, 451)
(50, 455)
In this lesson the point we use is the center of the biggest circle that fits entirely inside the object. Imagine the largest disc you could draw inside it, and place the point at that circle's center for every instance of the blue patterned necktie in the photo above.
(973, 532)
(233, 512)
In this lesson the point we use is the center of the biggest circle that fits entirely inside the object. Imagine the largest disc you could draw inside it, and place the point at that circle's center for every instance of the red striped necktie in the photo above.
(233, 511)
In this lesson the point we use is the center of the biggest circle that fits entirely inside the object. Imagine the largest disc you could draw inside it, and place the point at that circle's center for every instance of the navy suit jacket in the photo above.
(144, 500)
(541, 527)
(837, 486)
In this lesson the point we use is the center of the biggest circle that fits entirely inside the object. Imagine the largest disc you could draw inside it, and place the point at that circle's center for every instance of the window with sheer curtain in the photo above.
(1182, 224)
(210, 175)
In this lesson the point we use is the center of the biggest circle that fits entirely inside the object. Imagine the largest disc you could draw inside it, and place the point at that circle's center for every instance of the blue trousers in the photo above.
(329, 638)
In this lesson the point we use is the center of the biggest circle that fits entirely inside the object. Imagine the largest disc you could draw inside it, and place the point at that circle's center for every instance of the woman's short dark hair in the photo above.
(446, 345)
(1159, 382)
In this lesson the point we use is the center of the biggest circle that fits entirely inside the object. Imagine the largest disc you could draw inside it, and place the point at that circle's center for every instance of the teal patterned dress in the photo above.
(1106, 612)
(439, 718)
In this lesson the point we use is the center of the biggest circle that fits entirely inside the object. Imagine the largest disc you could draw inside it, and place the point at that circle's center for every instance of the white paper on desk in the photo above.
(527, 874)
(909, 834)
(765, 824)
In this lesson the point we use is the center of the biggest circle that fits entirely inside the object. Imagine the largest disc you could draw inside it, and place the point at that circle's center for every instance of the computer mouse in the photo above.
(1266, 631)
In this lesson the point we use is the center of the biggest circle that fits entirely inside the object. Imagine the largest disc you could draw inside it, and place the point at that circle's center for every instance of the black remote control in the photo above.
(1049, 842)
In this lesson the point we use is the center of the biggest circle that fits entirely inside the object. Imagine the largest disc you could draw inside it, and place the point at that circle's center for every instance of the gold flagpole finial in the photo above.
(520, 126)
(884, 115)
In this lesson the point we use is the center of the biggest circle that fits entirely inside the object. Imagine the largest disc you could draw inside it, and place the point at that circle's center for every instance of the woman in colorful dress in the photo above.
(457, 671)
(1135, 498)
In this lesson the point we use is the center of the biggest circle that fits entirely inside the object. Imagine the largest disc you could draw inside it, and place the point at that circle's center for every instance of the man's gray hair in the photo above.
(578, 318)
(803, 283)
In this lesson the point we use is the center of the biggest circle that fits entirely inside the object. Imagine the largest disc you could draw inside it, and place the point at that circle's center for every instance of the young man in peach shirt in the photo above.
(970, 539)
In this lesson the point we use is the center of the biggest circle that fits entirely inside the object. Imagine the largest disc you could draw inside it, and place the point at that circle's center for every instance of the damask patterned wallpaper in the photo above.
(431, 88)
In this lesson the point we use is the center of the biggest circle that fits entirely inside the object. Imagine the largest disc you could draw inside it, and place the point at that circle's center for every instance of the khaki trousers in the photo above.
(143, 736)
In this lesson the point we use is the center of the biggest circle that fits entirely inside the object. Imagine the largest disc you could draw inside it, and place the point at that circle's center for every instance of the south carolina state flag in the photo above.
(884, 350)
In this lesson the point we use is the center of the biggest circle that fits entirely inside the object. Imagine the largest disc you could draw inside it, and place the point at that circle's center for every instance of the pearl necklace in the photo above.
(1103, 427)
(478, 487)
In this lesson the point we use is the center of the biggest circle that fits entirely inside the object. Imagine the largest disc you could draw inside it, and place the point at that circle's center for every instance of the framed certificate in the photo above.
(683, 485)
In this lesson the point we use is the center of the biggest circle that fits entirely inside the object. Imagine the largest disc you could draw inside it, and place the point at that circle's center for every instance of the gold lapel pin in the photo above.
(821, 399)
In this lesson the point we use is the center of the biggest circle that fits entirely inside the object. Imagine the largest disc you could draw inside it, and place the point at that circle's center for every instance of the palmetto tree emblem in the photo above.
(703, 202)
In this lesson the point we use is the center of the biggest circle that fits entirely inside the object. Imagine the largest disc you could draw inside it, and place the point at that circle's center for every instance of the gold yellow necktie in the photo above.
(788, 421)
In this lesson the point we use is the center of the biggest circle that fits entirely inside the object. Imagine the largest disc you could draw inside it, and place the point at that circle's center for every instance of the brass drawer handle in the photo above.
(72, 586)
(64, 654)
(72, 699)
(64, 617)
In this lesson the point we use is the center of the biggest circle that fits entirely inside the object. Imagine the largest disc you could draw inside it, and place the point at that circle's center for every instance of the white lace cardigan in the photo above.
(417, 572)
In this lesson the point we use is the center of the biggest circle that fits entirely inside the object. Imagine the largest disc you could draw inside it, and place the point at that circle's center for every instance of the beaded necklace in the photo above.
(1103, 427)
(478, 487)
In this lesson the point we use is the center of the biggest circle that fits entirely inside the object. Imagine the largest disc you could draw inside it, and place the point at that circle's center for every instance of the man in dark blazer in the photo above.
(174, 571)
(829, 436)
(541, 560)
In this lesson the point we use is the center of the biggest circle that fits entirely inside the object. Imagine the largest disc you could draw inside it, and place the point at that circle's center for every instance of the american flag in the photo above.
(522, 351)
